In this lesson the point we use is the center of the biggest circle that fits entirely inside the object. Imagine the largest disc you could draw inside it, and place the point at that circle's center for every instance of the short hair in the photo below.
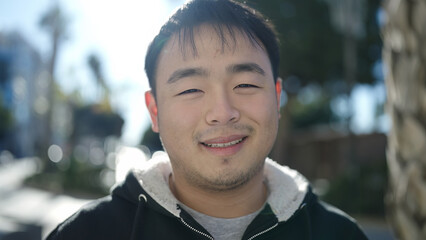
(225, 16)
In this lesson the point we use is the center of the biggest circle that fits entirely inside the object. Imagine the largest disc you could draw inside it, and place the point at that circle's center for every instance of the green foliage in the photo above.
(6, 120)
(303, 115)
(369, 47)
(360, 191)
(83, 176)
(151, 140)
(72, 177)
(83, 169)
(96, 120)
(311, 47)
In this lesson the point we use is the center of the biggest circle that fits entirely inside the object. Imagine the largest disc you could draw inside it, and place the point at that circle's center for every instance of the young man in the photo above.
(214, 99)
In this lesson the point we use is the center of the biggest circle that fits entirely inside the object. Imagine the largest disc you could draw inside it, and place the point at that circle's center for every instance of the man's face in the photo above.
(217, 111)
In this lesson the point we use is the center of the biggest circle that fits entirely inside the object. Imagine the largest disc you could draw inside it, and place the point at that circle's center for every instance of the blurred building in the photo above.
(23, 91)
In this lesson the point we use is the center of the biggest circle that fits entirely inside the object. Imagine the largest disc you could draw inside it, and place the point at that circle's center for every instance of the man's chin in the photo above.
(228, 180)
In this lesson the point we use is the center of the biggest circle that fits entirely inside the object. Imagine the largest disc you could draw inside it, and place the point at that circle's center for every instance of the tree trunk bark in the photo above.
(404, 54)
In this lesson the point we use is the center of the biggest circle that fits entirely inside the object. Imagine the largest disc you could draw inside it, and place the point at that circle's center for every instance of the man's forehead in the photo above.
(207, 37)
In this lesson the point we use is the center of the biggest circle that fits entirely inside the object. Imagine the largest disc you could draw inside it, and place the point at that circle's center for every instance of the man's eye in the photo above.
(189, 91)
(246, 85)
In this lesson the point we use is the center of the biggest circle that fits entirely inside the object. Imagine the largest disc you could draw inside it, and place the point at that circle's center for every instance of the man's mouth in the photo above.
(224, 144)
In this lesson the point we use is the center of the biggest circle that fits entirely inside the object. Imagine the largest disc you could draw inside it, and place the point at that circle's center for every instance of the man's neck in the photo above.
(222, 204)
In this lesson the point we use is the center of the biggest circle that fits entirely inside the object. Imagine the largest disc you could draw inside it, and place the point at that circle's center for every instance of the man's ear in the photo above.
(278, 90)
(151, 104)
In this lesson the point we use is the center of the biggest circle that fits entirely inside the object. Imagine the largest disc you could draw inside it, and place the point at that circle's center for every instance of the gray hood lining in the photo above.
(287, 188)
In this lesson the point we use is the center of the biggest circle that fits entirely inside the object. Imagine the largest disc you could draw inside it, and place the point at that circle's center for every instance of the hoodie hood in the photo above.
(143, 207)
(287, 188)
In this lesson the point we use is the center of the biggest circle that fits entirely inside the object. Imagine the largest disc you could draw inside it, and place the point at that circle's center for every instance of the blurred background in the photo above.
(73, 118)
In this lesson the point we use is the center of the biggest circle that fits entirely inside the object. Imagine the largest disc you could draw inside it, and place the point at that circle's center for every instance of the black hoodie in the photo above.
(142, 207)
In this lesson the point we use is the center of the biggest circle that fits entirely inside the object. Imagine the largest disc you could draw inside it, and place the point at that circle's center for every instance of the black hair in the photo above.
(225, 16)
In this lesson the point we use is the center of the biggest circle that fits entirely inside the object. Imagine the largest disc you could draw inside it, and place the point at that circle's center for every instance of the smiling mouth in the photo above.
(224, 145)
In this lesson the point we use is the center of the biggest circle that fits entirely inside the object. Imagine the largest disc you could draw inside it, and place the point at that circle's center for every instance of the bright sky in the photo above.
(117, 31)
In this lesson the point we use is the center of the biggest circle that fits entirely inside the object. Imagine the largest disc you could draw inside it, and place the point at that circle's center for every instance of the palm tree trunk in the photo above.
(404, 53)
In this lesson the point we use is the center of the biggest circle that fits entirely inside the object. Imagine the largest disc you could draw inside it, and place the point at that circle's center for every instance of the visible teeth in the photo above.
(221, 145)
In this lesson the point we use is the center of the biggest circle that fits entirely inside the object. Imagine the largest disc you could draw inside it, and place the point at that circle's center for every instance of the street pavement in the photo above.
(23, 208)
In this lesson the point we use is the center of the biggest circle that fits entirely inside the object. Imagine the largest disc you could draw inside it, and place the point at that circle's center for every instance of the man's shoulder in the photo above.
(323, 211)
(104, 218)
(327, 219)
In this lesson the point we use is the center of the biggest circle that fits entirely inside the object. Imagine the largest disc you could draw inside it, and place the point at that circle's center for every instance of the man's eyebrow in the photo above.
(186, 72)
(245, 67)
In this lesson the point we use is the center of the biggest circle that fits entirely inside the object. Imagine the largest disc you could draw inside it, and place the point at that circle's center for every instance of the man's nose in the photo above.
(221, 110)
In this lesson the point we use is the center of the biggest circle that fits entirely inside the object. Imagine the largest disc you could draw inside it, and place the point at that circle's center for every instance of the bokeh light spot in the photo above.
(55, 153)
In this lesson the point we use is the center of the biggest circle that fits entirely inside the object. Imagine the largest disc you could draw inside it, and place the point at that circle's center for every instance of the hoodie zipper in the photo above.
(210, 237)
(195, 230)
(274, 226)
(263, 232)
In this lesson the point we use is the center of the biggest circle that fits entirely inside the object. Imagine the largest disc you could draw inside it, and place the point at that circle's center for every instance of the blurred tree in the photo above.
(344, 192)
(6, 120)
(151, 140)
(310, 47)
(404, 52)
(306, 114)
(55, 23)
(312, 43)
(6, 117)
(96, 67)
(95, 121)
